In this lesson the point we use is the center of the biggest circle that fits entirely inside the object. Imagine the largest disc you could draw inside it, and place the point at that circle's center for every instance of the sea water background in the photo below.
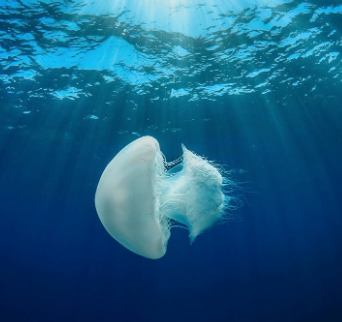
(253, 85)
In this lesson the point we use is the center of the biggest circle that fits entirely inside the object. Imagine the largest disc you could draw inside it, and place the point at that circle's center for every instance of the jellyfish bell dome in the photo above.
(139, 198)
(126, 199)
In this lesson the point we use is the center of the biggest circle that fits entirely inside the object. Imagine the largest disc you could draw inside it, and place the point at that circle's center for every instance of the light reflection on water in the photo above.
(171, 50)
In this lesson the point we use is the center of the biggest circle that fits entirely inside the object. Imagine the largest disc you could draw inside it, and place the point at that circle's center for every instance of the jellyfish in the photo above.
(140, 197)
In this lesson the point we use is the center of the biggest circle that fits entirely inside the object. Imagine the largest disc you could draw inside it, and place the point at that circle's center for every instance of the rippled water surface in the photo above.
(165, 50)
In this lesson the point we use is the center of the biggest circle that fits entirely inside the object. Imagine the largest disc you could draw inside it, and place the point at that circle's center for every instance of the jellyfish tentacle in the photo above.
(171, 164)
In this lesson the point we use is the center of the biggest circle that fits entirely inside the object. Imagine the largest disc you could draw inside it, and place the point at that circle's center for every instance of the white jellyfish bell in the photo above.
(138, 200)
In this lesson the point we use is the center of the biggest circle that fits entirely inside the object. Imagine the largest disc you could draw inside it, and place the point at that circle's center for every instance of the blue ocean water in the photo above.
(254, 85)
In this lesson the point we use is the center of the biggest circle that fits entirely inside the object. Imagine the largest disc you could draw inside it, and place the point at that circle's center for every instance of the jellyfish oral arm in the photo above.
(193, 197)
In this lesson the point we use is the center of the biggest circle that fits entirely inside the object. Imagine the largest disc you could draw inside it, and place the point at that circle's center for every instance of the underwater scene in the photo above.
(170, 160)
